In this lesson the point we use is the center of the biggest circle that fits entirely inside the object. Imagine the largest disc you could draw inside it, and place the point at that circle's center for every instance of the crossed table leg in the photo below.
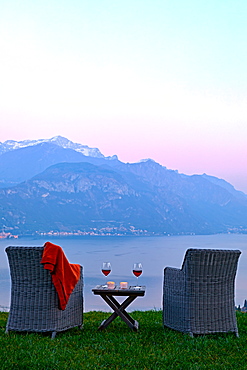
(119, 309)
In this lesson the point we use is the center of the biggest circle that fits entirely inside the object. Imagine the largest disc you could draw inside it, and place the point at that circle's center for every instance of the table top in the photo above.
(131, 290)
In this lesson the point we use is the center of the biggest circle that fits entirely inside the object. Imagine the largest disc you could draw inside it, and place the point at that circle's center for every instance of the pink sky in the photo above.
(143, 79)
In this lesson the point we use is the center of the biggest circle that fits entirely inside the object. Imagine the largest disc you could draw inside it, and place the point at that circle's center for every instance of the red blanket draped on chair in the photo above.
(64, 275)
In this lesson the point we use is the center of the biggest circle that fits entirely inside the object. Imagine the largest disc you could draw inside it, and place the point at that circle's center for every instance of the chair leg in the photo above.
(53, 334)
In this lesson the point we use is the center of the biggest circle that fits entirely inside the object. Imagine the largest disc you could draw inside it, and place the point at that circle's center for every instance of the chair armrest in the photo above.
(173, 278)
(175, 300)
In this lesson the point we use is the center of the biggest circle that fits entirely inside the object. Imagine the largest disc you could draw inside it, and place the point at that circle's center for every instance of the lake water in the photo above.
(155, 253)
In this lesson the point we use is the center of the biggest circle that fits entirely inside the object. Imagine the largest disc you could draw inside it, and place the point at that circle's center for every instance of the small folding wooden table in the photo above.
(119, 309)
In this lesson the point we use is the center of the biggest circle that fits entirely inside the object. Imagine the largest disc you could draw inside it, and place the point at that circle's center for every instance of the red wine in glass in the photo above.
(106, 272)
(106, 268)
(137, 271)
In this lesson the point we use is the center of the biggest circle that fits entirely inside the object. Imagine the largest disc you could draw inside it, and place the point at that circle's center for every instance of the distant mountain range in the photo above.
(56, 186)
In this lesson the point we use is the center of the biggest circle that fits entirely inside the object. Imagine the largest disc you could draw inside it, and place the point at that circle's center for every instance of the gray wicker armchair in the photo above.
(34, 300)
(199, 297)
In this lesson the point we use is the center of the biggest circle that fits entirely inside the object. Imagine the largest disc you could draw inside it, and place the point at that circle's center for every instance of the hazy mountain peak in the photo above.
(60, 140)
(12, 144)
(146, 160)
(151, 163)
(113, 157)
(57, 140)
(84, 149)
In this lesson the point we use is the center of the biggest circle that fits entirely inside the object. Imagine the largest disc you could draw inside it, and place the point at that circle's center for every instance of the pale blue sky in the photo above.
(159, 79)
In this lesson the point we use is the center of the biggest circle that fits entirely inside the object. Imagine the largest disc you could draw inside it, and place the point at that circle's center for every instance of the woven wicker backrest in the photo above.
(25, 266)
(34, 300)
(210, 264)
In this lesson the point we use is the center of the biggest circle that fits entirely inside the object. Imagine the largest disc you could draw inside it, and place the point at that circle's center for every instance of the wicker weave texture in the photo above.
(34, 300)
(199, 297)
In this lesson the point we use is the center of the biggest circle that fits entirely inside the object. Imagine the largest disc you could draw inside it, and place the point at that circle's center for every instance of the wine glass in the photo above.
(106, 268)
(137, 271)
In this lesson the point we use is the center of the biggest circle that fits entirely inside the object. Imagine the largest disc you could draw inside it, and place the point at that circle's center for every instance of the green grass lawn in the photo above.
(118, 347)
